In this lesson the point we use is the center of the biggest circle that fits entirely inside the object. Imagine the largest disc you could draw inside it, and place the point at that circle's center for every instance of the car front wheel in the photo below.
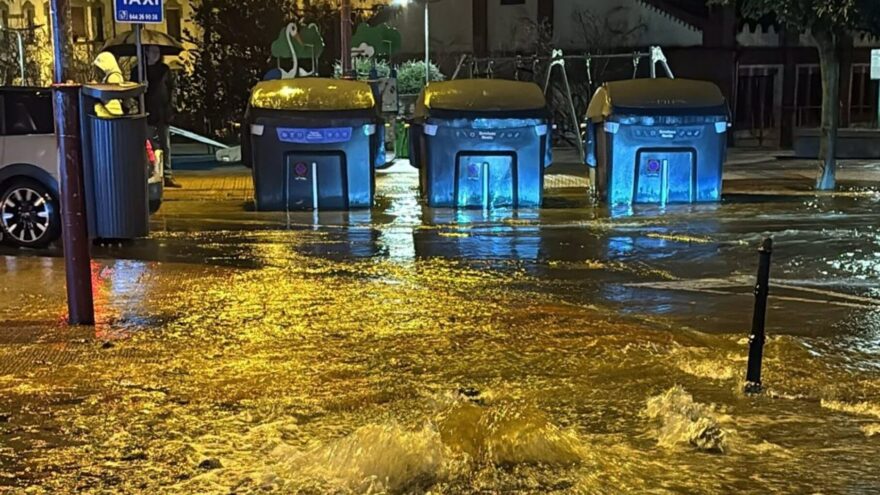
(29, 214)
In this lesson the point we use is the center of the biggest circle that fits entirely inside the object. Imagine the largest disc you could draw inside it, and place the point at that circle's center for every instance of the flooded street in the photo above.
(408, 350)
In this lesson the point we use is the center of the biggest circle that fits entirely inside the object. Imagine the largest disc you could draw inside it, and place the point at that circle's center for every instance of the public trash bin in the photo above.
(481, 143)
(657, 141)
(313, 143)
(115, 164)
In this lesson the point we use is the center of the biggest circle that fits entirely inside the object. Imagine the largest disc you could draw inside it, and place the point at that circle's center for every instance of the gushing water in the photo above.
(375, 458)
(678, 420)
(466, 437)
(408, 354)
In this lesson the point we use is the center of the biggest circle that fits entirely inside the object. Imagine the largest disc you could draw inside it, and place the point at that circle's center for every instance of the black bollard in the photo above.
(757, 337)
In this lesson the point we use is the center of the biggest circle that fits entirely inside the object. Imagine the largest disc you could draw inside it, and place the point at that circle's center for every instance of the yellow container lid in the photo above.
(481, 95)
(654, 95)
(312, 94)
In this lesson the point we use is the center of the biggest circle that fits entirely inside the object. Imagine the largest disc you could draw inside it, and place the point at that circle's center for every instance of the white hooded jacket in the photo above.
(112, 75)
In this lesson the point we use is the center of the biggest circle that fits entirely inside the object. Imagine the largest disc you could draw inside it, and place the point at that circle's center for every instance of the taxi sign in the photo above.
(139, 11)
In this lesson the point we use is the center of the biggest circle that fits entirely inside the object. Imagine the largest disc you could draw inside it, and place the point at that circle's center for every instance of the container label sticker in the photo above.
(473, 171)
(314, 136)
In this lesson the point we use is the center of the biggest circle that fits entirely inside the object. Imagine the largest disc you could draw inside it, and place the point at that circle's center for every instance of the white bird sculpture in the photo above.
(293, 33)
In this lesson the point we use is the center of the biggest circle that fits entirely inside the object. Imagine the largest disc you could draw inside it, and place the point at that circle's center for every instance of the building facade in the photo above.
(770, 77)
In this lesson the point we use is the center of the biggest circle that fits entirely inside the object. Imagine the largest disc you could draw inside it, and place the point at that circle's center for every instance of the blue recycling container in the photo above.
(313, 144)
(481, 143)
(657, 141)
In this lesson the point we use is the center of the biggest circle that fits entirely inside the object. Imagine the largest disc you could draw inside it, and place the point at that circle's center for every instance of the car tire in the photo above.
(29, 214)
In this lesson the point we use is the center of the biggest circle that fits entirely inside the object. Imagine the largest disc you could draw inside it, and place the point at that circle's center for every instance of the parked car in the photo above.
(29, 208)
(29, 178)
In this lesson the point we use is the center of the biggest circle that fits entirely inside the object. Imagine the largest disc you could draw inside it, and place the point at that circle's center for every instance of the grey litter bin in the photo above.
(481, 143)
(115, 166)
(657, 141)
(313, 144)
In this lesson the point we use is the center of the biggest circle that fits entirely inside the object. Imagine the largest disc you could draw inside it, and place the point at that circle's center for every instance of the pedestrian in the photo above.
(159, 102)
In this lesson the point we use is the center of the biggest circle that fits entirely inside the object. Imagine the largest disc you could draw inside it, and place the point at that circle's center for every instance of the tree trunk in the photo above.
(829, 60)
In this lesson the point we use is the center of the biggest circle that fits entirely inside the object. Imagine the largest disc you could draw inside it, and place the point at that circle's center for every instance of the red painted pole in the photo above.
(77, 264)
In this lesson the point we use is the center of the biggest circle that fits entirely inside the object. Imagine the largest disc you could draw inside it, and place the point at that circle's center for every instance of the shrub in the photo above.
(362, 66)
(411, 76)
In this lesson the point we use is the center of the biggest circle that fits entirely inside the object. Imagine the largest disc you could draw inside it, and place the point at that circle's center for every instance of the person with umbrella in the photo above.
(159, 102)
(160, 85)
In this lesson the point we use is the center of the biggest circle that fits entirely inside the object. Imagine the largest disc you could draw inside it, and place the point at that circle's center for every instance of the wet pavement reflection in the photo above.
(569, 349)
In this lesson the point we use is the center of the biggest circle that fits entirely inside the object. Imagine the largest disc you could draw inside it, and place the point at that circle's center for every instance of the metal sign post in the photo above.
(139, 12)
(139, 47)
(427, 44)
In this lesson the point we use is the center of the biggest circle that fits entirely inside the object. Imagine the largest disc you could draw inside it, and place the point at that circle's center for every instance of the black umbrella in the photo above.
(124, 44)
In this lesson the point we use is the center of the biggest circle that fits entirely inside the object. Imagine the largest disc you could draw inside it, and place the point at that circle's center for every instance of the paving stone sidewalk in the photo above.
(746, 171)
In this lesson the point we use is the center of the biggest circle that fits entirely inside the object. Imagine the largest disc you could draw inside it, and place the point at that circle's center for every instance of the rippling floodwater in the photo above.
(565, 350)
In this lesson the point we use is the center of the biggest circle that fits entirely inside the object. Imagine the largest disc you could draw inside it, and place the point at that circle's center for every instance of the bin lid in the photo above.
(480, 95)
(114, 91)
(312, 94)
(657, 97)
